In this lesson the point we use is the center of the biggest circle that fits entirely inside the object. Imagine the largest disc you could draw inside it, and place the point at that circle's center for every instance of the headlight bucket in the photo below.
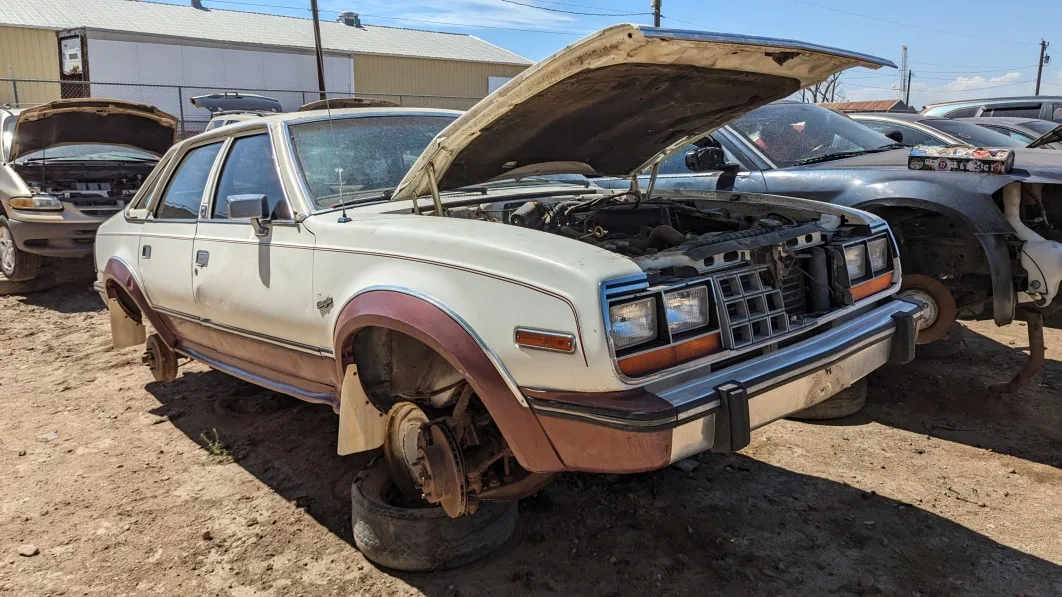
(633, 323)
(686, 309)
(37, 203)
(862, 267)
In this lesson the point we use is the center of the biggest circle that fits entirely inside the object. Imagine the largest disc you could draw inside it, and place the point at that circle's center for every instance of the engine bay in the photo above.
(86, 185)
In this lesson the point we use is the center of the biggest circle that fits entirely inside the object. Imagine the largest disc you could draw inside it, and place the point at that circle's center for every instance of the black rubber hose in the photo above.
(819, 289)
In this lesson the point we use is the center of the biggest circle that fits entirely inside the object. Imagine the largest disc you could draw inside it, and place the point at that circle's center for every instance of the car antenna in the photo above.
(343, 219)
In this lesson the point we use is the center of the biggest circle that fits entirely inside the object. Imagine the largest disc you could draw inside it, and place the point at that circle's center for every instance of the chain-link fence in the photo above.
(175, 99)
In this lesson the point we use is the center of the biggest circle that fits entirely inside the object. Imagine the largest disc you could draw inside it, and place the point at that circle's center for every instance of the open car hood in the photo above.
(93, 120)
(617, 101)
(1052, 136)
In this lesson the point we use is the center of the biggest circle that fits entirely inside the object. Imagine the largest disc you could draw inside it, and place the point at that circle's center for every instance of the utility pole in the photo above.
(1044, 58)
(656, 12)
(907, 89)
(317, 46)
(904, 79)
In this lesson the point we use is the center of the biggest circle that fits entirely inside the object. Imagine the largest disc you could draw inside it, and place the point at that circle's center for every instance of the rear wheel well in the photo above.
(125, 301)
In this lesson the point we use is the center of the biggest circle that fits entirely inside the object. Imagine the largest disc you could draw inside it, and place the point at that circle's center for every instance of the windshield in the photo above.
(972, 134)
(85, 153)
(347, 159)
(793, 133)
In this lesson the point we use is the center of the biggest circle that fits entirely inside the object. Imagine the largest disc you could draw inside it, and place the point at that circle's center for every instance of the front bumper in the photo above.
(700, 409)
(54, 234)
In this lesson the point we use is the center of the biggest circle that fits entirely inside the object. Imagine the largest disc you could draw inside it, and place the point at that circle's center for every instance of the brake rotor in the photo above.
(940, 313)
(405, 421)
(442, 469)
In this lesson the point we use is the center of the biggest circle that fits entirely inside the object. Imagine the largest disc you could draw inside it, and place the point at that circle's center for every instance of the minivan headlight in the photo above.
(855, 259)
(687, 309)
(633, 323)
(43, 202)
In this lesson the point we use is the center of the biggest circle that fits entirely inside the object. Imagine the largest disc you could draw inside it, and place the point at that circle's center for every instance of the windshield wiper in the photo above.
(831, 156)
(383, 195)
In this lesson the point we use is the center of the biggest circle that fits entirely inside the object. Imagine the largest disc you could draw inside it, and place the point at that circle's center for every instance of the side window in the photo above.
(185, 192)
(1056, 112)
(250, 170)
(1028, 111)
(1009, 133)
(963, 112)
(911, 136)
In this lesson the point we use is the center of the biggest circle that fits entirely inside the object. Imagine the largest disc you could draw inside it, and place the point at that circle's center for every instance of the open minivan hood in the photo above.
(93, 120)
(618, 100)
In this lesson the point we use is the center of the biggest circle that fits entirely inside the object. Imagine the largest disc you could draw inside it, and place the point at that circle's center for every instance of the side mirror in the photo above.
(706, 159)
(249, 207)
(896, 136)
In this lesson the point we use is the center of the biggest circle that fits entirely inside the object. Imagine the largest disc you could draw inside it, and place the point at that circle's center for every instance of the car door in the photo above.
(256, 286)
(167, 237)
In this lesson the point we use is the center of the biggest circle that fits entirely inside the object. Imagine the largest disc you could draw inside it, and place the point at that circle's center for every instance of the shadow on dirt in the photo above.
(948, 398)
(67, 287)
(734, 526)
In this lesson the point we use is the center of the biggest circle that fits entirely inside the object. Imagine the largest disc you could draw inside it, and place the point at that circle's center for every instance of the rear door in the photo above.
(165, 257)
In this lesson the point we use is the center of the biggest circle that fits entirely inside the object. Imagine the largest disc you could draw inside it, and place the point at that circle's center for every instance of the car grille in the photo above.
(794, 292)
(750, 311)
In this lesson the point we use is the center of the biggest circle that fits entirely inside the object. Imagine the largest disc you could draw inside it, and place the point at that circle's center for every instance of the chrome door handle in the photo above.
(202, 258)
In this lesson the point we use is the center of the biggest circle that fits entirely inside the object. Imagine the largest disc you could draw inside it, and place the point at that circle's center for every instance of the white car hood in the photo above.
(618, 100)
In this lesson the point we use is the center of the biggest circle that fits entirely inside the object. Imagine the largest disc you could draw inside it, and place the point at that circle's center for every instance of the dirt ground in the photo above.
(935, 489)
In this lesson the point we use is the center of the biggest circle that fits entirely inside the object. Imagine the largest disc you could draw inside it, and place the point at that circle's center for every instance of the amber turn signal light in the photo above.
(872, 286)
(668, 356)
(545, 340)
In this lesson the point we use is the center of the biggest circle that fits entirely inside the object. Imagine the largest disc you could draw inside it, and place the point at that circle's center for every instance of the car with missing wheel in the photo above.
(456, 291)
(974, 245)
(67, 166)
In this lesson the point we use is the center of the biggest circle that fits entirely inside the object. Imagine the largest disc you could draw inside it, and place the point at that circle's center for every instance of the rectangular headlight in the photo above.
(36, 202)
(687, 309)
(855, 259)
(633, 323)
(879, 253)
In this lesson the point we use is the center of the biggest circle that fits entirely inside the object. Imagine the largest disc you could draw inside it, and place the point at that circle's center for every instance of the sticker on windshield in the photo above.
(961, 159)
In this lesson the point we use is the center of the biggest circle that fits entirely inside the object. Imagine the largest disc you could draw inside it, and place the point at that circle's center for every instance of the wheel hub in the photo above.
(940, 312)
(440, 469)
(7, 249)
(404, 423)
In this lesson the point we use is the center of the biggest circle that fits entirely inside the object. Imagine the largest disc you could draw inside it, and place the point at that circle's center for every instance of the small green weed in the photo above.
(214, 445)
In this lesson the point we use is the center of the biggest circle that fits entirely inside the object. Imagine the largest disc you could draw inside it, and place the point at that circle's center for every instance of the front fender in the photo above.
(979, 213)
(447, 334)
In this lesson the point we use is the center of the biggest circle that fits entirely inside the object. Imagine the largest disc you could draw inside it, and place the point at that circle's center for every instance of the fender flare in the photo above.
(118, 275)
(438, 327)
(988, 234)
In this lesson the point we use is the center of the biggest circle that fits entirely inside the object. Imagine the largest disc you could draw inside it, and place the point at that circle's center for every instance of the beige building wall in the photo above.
(426, 83)
(28, 54)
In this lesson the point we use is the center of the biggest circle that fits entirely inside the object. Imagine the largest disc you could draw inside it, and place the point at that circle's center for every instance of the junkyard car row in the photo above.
(570, 276)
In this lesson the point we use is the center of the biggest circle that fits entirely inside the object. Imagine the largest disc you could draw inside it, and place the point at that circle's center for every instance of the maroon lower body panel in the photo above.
(300, 374)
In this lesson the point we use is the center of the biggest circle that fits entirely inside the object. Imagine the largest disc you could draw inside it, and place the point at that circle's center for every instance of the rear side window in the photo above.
(911, 136)
(963, 112)
(250, 170)
(184, 194)
(1027, 111)
(1056, 112)
(1009, 133)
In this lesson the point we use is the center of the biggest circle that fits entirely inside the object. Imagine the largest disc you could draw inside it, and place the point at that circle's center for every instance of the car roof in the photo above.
(899, 116)
(1012, 120)
(994, 100)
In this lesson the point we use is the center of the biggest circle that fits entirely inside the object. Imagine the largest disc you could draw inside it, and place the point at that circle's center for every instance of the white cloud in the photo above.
(973, 87)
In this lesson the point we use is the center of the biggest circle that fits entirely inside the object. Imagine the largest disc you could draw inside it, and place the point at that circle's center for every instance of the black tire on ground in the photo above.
(15, 264)
(420, 539)
(949, 346)
(846, 402)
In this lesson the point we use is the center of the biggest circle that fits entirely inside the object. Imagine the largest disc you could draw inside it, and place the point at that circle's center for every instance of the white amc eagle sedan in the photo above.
(455, 288)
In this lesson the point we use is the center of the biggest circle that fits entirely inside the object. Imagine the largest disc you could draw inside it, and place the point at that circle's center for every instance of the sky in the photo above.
(957, 50)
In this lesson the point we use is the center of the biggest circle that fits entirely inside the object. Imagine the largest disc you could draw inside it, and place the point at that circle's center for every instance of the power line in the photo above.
(952, 90)
(994, 70)
(443, 23)
(572, 12)
(856, 14)
(705, 27)
(575, 5)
